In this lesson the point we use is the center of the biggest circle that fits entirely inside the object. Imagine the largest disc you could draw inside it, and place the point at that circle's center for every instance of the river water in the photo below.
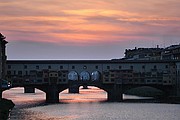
(90, 104)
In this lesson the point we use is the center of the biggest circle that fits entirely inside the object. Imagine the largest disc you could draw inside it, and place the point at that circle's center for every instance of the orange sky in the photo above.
(80, 23)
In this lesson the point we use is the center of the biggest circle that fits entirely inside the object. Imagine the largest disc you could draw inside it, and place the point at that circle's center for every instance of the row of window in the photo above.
(61, 67)
(141, 80)
(85, 67)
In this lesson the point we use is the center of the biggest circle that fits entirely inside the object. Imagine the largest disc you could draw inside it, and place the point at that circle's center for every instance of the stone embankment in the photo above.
(5, 107)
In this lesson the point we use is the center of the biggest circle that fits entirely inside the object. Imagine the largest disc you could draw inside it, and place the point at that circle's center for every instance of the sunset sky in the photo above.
(86, 29)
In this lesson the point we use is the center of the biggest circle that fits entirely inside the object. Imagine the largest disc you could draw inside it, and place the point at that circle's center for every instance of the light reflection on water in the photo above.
(88, 105)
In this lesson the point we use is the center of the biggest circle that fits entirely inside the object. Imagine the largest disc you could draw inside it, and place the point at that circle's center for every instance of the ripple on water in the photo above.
(86, 106)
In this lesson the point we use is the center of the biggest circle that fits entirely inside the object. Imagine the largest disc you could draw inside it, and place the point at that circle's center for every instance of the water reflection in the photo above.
(89, 104)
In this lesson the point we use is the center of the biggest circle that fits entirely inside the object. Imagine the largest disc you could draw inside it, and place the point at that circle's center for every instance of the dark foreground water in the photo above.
(88, 105)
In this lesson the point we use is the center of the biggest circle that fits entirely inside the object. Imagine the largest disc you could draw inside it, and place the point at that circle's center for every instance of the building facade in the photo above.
(169, 53)
(143, 54)
(178, 77)
(3, 58)
(108, 71)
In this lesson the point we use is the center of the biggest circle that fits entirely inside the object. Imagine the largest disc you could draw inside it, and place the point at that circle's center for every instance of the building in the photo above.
(107, 71)
(143, 54)
(178, 77)
(3, 57)
(171, 53)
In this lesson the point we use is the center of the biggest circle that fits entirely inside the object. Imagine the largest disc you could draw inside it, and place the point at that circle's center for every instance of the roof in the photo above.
(116, 61)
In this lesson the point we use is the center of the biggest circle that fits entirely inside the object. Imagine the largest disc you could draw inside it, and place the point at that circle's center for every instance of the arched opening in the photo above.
(84, 76)
(73, 75)
(92, 94)
(20, 98)
(95, 76)
(143, 92)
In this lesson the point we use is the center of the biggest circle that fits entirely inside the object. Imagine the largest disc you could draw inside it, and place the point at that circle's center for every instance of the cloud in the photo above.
(88, 22)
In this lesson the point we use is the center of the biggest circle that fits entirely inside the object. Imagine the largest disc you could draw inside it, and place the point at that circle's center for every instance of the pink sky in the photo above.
(86, 29)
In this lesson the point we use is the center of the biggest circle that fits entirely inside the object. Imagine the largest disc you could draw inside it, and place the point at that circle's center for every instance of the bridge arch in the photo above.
(17, 95)
(37, 87)
(148, 90)
(92, 94)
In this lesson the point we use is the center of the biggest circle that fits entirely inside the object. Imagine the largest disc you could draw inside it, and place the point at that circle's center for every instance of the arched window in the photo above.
(73, 75)
(84, 76)
(95, 76)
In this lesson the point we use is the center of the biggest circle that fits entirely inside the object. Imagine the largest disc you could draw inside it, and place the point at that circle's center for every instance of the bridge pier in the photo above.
(115, 94)
(29, 90)
(73, 88)
(52, 94)
(0, 94)
(85, 87)
(178, 92)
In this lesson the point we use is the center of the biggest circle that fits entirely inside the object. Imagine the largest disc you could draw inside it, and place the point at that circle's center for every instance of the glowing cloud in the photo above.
(88, 22)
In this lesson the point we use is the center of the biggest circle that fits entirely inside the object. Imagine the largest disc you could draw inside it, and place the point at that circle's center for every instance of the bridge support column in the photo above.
(85, 87)
(115, 94)
(29, 90)
(178, 92)
(52, 94)
(73, 88)
(0, 94)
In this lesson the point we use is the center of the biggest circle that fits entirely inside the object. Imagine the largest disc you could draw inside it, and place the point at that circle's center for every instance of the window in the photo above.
(106, 80)
(155, 67)
(49, 67)
(159, 81)
(112, 75)
(108, 67)
(25, 66)
(46, 79)
(84, 67)
(61, 67)
(19, 72)
(26, 72)
(106, 75)
(153, 75)
(9, 66)
(142, 80)
(120, 67)
(37, 67)
(143, 67)
(131, 67)
(166, 66)
(73, 67)
(9, 72)
(59, 74)
(96, 67)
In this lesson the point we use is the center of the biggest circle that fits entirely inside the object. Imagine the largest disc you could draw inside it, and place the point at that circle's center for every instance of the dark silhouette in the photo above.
(2, 37)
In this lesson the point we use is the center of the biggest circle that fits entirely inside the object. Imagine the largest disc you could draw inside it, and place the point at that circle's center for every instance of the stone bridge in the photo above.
(114, 91)
(113, 76)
